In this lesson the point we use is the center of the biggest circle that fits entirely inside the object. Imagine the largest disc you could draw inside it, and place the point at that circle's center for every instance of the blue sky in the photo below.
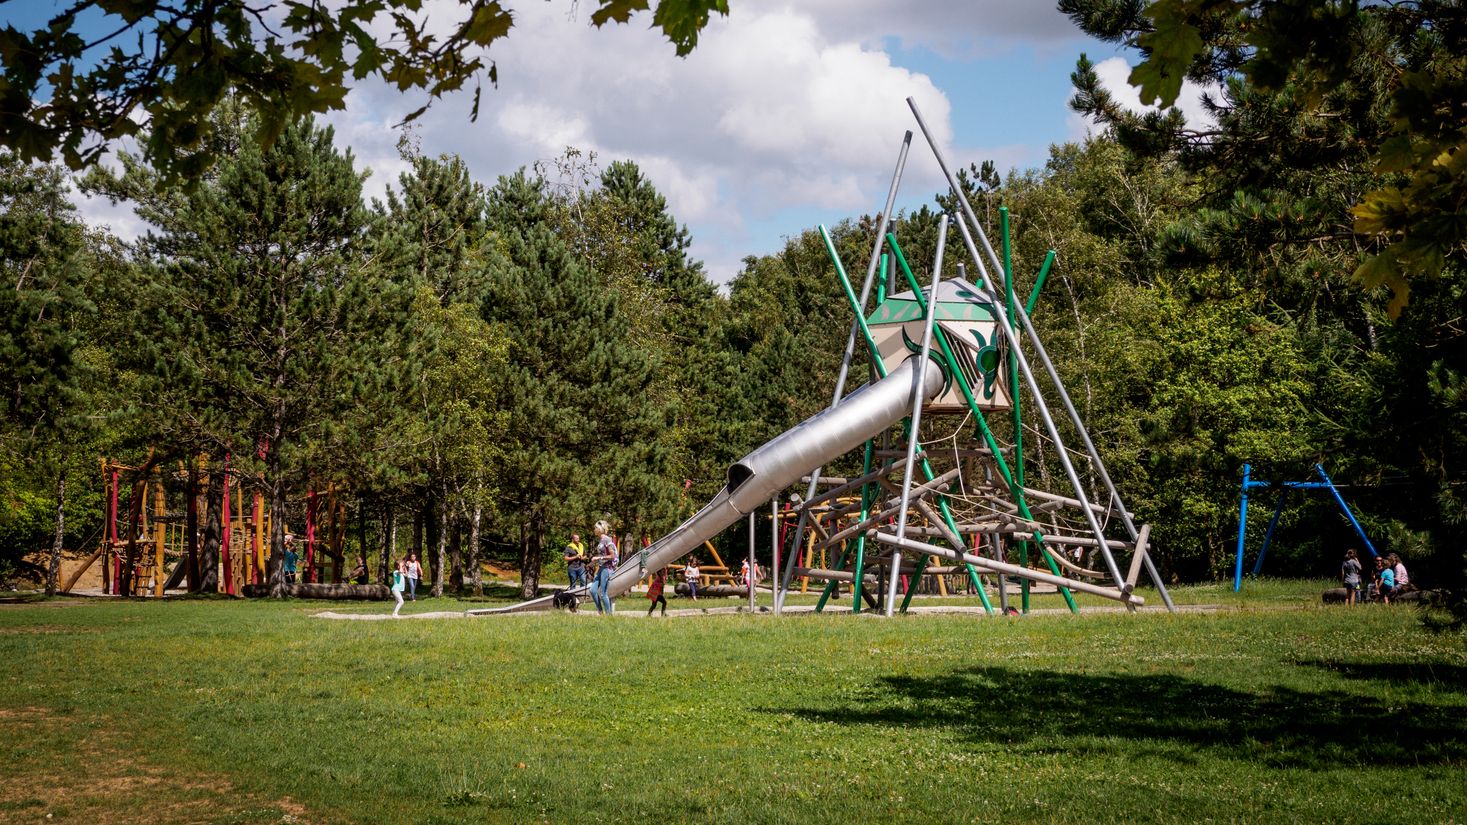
(786, 115)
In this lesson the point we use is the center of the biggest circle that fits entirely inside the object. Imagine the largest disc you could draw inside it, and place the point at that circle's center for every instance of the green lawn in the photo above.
(1275, 709)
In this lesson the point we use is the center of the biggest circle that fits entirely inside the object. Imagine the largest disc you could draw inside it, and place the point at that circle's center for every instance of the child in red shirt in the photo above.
(654, 591)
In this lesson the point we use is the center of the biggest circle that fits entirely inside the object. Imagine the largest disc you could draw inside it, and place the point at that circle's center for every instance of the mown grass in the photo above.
(1297, 713)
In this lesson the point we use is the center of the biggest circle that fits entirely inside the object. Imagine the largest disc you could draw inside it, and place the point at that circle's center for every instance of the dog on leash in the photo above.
(565, 600)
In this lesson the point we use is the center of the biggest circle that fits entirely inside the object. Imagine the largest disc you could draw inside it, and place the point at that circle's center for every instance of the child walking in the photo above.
(654, 591)
(691, 574)
(399, 577)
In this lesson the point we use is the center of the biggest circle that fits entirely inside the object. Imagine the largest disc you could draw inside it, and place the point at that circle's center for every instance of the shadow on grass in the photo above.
(1440, 676)
(1164, 714)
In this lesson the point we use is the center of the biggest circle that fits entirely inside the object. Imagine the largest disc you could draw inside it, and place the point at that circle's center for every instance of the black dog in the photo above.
(565, 600)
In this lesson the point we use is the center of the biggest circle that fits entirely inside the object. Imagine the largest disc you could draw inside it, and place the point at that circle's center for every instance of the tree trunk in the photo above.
(531, 547)
(213, 529)
(440, 546)
(389, 545)
(276, 564)
(135, 515)
(474, 576)
(456, 556)
(53, 571)
(362, 530)
(191, 528)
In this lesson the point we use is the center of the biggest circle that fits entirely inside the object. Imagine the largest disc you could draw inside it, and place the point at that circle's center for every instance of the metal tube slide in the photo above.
(766, 471)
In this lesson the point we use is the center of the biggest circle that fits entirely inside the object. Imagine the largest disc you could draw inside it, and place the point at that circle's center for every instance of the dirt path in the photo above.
(101, 778)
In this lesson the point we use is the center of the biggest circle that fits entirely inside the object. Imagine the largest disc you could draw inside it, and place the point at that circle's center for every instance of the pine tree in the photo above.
(261, 311)
(45, 262)
(432, 237)
(582, 433)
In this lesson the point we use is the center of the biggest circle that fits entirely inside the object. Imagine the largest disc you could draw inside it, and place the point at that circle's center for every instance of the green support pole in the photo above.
(858, 574)
(881, 278)
(1038, 284)
(988, 438)
(830, 585)
(845, 283)
(1008, 289)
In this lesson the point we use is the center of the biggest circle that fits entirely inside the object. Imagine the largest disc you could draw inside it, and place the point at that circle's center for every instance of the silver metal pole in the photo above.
(850, 350)
(749, 579)
(774, 542)
(962, 199)
(1013, 569)
(918, 398)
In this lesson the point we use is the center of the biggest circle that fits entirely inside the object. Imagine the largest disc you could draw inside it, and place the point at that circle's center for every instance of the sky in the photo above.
(786, 115)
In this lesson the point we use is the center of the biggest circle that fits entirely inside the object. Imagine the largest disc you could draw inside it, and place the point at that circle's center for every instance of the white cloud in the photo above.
(1113, 74)
(118, 219)
(951, 29)
(770, 113)
(784, 110)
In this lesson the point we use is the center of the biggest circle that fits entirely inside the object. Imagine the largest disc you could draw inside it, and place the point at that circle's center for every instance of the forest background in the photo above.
(488, 367)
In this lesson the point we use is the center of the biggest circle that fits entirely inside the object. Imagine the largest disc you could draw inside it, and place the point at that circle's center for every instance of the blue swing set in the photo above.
(1286, 488)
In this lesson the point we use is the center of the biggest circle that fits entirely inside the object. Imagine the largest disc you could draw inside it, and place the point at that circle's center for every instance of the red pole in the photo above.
(309, 577)
(224, 538)
(112, 533)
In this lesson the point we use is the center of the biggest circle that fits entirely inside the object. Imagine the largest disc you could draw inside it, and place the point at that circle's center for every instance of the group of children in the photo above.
(405, 577)
(658, 584)
(1388, 579)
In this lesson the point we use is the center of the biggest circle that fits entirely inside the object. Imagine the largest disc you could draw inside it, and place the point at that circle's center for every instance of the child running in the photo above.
(654, 591)
(399, 577)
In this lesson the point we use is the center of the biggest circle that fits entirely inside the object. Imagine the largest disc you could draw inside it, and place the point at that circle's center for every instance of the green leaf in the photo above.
(129, 10)
(1379, 211)
(618, 11)
(488, 23)
(1173, 45)
(1395, 155)
(681, 20)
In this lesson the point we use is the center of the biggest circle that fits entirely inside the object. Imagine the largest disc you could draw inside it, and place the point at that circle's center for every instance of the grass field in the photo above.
(1274, 709)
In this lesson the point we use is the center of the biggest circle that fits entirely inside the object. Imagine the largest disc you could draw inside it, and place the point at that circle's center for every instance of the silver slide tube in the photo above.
(782, 461)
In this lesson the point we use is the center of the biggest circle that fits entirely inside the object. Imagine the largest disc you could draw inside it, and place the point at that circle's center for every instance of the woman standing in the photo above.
(414, 571)
(604, 557)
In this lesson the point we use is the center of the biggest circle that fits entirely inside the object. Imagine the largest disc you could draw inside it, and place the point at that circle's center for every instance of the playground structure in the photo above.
(1286, 490)
(145, 551)
(941, 357)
